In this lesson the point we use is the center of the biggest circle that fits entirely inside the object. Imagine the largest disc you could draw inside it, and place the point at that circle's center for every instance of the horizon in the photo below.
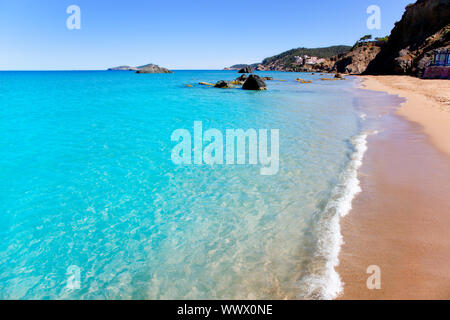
(207, 37)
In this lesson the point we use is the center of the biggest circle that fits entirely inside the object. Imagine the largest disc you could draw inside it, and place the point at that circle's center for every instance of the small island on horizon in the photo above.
(148, 68)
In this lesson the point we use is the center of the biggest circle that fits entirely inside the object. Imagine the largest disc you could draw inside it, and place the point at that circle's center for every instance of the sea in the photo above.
(92, 205)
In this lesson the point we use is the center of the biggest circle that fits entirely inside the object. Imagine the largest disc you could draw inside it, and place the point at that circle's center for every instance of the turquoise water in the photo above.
(86, 180)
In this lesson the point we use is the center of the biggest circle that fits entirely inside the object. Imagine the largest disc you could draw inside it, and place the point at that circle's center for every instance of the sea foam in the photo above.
(326, 284)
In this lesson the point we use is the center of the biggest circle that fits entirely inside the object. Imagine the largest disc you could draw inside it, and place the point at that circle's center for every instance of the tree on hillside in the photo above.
(384, 39)
(365, 38)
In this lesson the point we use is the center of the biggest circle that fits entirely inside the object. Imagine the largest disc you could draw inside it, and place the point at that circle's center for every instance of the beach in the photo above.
(400, 221)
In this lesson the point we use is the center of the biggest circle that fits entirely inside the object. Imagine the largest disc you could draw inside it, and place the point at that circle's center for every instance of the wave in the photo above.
(325, 283)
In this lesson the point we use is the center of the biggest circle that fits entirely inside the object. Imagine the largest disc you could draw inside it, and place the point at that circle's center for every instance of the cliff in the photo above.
(423, 28)
(356, 60)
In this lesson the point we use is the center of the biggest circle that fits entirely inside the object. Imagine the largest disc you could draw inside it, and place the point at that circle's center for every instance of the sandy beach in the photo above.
(401, 220)
(428, 104)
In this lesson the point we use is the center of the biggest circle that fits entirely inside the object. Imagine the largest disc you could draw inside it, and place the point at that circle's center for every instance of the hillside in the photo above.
(287, 58)
(424, 27)
(285, 61)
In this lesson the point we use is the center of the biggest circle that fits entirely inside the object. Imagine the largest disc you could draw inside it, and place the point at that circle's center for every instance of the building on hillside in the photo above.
(439, 67)
(305, 59)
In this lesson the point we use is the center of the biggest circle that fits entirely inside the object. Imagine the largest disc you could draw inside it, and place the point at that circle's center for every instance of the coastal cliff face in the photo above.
(356, 60)
(424, 27)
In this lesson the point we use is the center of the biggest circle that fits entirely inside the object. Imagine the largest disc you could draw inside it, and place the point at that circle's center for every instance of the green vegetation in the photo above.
(288, 57)
(365, 38)
(240, 66)
(384, 39)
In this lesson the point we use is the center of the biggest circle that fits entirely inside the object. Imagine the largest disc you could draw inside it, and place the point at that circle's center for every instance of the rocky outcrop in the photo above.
(423, 28)
(356, 60)
(240, 80)
(246, 70)
(223, 84)
(254, 82)
(152, 68)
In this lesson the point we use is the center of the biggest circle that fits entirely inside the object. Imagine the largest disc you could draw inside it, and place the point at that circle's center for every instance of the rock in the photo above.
(339, 76)
(356, 60)
(254, 82)
(303, 81)
(261, 67)
(242, 78)
(267, 78)
(206, 84)
(403, 64)
(189, 85)
(246, 70)
(223, 84)
(152, 68)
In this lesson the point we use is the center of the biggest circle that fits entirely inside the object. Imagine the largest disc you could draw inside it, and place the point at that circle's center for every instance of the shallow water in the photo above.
(87, 181)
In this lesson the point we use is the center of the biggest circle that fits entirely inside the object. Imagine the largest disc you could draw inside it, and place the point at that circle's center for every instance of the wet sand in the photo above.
(401, 220)
(428, 104)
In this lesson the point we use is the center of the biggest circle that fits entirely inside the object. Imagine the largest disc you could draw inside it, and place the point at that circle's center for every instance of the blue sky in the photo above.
(189, 34)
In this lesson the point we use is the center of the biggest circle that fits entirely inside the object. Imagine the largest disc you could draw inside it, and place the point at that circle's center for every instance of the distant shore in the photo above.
(401, 220)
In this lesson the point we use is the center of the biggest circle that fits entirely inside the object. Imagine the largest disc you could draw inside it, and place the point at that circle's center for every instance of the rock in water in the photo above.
(223, 84)
(242, 78)
(254, 82)
(246, 70)
(239, 80)
(339, 76)
(152, 68)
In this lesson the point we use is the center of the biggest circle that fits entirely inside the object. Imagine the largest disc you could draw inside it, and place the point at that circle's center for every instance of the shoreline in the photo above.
(400, 221)
(428, 103)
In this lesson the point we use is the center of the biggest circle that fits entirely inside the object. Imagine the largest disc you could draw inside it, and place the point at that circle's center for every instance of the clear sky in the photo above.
(188, 34)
